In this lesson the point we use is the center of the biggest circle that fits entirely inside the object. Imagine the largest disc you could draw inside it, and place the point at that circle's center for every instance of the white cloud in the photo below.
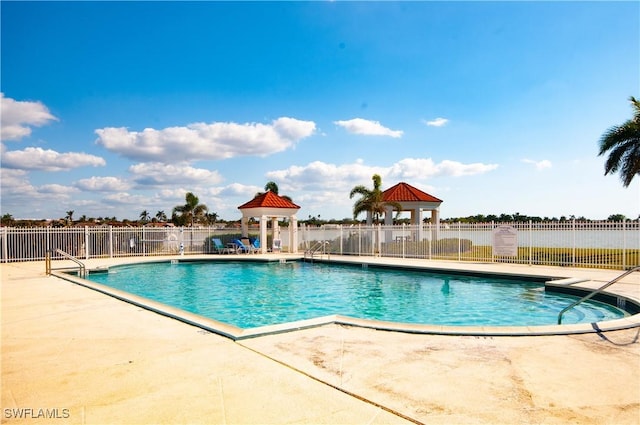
(14, 180)
(103, 184)
(48, 160)
(438, 122)
(174, 193)
(134, 201)
(155, 173)
(200, 141)
(57, 190)
(319, 175)
(540, 165)
(368, 128)
(421, 168)
(18, 116)
(238, 190)
(18, 192)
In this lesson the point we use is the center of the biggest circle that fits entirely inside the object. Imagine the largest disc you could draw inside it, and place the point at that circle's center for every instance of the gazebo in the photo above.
(266, 206)
(410, 199)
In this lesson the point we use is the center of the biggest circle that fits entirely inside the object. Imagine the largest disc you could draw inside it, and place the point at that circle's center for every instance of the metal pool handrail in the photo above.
(82, 270)
(320, 245)
(595, 292)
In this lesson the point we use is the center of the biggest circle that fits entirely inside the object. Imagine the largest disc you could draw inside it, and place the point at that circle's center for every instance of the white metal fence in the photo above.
(26, 244)
(569, 243)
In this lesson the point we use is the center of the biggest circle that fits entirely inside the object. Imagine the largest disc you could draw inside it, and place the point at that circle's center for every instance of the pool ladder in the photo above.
(82, 270)
(319, 246)
(595, 292)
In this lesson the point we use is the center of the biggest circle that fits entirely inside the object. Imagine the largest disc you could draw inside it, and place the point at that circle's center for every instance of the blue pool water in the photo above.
(252, 294)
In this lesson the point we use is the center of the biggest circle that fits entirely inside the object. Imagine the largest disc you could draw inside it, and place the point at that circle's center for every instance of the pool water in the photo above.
(252, 294)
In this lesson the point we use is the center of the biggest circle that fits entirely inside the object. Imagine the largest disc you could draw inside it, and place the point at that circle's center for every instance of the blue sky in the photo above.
(112, 108)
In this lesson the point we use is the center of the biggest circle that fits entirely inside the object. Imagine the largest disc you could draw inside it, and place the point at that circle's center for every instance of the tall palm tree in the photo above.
(371, 200)
(622, 142)
(191, 212)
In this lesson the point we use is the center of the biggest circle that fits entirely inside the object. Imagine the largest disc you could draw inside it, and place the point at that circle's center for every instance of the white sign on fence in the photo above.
(505, 241)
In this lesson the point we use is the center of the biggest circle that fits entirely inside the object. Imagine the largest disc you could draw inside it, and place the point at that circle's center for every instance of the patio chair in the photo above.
(241, 247)
(251, 249)
(255, 243)
(277, 245)
(220, 248)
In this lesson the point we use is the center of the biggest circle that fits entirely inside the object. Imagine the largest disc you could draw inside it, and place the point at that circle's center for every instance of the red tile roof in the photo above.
(403, 192)
(268, 200)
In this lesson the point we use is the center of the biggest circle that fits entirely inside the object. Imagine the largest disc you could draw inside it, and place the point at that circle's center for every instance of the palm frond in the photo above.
(622, 144)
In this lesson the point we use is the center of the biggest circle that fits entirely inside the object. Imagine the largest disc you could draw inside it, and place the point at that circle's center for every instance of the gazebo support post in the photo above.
(388, 221)
(275, 228)
(416, 219)
(244, 227)
(435, 220)
(263, 234)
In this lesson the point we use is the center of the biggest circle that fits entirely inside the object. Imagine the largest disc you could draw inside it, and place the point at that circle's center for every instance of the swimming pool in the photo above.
(249, 294)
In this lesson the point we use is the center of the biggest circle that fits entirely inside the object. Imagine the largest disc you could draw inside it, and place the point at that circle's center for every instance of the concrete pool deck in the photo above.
(79, 356)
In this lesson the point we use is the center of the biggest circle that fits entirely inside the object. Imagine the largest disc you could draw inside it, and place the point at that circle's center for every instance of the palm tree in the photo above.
(272, 186)
(7, 220)
(371, 200)
(191, 212)
(144, 216)
(161, 216)
(69, 217)
(623, 144)
(211, 218)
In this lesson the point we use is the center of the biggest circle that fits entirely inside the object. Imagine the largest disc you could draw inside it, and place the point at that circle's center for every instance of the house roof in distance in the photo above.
(268, 199)
(404, 192)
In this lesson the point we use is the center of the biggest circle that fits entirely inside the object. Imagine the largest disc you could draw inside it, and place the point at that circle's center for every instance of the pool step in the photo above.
(567, 281)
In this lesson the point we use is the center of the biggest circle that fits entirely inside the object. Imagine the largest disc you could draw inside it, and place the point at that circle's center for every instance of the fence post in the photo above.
(431, 241)
(624, 244)
(5, 245)
(110, 241)
(493, 256)
(86, 242)
(459, 240)
(48, 247)
(530, 240)
(573, 251)
(404, 238)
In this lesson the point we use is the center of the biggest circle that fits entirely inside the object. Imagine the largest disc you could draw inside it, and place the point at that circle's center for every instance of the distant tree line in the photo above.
(184, 218)
(517, 217)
